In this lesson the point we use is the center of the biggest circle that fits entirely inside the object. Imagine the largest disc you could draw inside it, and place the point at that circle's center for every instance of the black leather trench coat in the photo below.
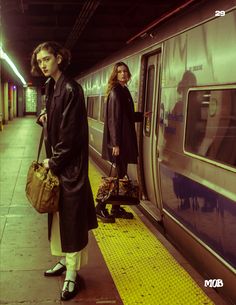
(119, 125)
(67, 130)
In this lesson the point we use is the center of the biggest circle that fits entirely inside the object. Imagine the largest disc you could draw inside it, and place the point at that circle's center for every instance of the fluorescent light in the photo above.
(3, 55)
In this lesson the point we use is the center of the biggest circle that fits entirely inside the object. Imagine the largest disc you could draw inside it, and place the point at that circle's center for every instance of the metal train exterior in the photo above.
(184, 73)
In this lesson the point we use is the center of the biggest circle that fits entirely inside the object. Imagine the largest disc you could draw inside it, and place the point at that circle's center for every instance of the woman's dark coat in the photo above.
(67, 130)
(119, 125)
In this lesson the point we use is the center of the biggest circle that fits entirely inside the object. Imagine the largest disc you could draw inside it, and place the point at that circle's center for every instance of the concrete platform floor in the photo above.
(24, 251)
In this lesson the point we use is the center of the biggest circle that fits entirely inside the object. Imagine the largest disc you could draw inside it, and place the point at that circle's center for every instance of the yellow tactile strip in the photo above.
(143, 270)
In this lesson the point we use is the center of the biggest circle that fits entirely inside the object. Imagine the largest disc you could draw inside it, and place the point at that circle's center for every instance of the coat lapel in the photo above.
(53, 95)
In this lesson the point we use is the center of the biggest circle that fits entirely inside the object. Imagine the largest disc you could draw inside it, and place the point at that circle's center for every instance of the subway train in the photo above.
(184, 72)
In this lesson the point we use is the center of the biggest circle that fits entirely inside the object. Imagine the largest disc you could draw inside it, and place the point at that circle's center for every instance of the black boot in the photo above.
(103, 214)
(119, 212)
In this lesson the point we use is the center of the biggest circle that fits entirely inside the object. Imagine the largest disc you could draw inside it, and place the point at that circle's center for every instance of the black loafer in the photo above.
(66, 294)
(55, 272)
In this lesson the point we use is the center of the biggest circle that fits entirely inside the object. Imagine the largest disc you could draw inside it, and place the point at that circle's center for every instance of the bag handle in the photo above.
(117, 179)
(41, 141)
(111, 169)
(113, 162)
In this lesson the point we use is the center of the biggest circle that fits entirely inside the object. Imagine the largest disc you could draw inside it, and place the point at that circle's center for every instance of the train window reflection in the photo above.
(149, 98)
(211, 125)
(93, 106)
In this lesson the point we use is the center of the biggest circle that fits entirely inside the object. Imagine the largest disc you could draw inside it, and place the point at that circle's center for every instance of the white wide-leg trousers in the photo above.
(74, 260)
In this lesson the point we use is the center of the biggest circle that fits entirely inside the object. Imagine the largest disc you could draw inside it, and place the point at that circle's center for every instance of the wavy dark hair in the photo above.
(53, 48)
(113, 77)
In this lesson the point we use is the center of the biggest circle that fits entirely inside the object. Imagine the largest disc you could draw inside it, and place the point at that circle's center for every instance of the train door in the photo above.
(150, 136)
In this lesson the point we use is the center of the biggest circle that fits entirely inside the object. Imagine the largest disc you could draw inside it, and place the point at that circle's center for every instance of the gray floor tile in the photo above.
(2, 226)
(31, 239)
(25, 230)
(28, 286)
(4, 210)
(21, 258)
(22, 209)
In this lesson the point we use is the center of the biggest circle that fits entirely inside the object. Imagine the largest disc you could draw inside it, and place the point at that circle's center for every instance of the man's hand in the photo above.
(43, 118)
(45, 163)
(115, 151)
(148, 114)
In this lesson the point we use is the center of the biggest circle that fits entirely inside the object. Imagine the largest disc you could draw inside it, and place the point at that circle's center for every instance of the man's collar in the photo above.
(50, 83)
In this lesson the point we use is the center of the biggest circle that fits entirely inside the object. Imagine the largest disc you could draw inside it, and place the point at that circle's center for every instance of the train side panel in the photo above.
(197, 134)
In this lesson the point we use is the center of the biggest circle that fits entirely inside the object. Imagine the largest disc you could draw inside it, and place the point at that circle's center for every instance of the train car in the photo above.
(184, 72)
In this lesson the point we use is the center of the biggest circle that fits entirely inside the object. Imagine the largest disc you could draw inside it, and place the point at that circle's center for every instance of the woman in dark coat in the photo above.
(119, 137)
(67, 136)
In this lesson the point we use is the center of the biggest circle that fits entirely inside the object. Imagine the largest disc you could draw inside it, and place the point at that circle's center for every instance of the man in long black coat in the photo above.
(119, 137)
(119, 129)
(67, 131)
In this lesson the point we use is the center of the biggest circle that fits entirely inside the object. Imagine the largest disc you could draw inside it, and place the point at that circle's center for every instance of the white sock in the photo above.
(71, 276)
(63, 261)
(58, 266)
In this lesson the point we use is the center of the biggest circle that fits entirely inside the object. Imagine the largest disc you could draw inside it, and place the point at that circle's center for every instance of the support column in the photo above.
(20, 102)
(5, 104)
(10, 103)
(14, 101)
(1, 106)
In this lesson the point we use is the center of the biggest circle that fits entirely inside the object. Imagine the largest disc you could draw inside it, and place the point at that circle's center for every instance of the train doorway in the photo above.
(150, 136)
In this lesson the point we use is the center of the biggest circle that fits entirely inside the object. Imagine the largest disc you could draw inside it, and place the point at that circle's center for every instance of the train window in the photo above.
(211, 125)
(103, 108)
(149, 98)
(93, 107)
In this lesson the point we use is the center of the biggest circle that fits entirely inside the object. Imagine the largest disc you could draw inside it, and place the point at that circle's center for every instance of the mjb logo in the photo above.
(213, 283)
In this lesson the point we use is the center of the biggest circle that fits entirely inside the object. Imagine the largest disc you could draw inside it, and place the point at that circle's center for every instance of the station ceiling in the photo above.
(91, 29)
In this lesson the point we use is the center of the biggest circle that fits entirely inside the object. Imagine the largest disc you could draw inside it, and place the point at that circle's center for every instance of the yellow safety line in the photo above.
(143, 270)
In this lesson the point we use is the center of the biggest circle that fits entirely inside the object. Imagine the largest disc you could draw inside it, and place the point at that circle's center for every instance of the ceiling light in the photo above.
(4, 56)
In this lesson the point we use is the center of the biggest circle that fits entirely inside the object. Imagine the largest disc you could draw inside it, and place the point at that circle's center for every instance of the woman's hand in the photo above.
(115, 151)
(45, 163)
(43, 118)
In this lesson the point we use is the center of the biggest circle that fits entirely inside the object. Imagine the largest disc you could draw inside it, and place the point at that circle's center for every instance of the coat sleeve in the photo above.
(138, 116)
(114, 118)
(72, 130)
(43, 111)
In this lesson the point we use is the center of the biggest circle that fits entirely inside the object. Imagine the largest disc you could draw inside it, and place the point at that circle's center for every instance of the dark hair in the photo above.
(53, 48)
(113, 77)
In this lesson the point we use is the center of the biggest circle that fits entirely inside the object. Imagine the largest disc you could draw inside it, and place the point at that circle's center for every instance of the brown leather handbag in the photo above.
(42, 186)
